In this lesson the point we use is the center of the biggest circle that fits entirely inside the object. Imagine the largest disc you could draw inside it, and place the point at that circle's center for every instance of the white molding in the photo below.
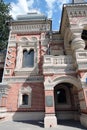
(24, 90)
(66, 79)
(24, 79)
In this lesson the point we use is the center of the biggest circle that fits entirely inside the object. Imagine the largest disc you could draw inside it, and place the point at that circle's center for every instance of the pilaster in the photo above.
(50, 119)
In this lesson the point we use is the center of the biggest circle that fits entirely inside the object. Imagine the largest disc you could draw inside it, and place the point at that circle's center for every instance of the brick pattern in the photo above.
(37, 97)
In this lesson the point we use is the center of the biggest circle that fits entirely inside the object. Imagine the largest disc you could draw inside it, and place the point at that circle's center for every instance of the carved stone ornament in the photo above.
(48, 80)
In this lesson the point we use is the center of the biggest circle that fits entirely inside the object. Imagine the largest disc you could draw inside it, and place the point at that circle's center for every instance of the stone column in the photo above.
(19, 57)
(77, 44)
(50, 119)
(44, 43)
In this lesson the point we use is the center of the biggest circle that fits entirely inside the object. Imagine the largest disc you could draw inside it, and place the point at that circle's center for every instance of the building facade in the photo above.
(45, 71)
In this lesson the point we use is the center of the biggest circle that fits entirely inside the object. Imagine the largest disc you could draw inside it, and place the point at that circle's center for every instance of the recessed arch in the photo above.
(24, 39)
(34, 39)
(67, 79)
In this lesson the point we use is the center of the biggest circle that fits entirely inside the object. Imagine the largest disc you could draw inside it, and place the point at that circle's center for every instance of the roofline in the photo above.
(69, 5)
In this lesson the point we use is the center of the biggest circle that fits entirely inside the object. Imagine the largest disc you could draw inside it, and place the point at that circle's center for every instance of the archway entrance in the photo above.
(66, 101)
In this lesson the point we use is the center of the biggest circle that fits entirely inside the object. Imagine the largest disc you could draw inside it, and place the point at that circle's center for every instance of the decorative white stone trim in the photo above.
(50, 121)
(84, 78)
(77, 44)
(30, 28)
(19, 69)
(68, 79)
(7, 71)
(63, 79)
(12, 44)
(24, 90)
(24, 79)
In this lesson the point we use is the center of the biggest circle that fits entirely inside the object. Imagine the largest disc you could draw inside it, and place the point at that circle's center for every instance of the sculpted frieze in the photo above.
(29, 28)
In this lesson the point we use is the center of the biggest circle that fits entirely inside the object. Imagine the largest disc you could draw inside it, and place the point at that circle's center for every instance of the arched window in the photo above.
(31, 57)
(24, 99)
(61, 96)
(28, 58)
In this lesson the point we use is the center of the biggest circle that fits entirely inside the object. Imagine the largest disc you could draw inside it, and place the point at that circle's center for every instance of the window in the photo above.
(24, 99)
(61, 96)
(28, 58)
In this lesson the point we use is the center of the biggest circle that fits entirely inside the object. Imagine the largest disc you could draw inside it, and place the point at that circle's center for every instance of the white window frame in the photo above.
(24, 90)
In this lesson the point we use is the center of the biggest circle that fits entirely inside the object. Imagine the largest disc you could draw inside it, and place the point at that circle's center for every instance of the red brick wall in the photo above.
(37, 97)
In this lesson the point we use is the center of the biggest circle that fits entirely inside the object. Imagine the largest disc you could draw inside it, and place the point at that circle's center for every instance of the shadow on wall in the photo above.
(26, 116)
(31, 105)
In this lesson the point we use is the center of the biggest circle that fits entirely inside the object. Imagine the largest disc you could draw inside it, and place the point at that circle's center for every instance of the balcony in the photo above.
(58, 64)
(81, 59)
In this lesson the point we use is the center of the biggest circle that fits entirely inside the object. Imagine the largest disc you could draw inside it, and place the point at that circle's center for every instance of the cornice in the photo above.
(75, 5)
(17, 79)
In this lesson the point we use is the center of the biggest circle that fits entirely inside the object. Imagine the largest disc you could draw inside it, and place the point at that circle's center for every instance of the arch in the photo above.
(67, 79)
(34, 39)
(24, 39)
(62, 91)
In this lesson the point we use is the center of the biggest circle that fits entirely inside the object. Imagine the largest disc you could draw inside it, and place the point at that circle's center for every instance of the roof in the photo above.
(31, 16)
(78, 1)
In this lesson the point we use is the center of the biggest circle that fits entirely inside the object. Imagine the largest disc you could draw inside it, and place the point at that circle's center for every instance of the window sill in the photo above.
(24, 71)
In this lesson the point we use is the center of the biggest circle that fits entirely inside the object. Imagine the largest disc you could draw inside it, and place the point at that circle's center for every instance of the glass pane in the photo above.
(25, 59)
(31, 58)
(28, 58)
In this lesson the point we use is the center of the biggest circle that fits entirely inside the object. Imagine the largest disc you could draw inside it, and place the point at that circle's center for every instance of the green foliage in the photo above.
(4, 20)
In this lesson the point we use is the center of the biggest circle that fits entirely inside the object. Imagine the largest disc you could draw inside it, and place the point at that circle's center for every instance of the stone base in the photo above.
(50, 121)
(3, 111)
(83, 119)
(24, 116)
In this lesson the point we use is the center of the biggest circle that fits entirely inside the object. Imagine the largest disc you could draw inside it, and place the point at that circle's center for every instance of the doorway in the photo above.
(66, 102)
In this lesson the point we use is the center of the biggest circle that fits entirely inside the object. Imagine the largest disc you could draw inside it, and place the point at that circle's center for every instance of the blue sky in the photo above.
(51, 8)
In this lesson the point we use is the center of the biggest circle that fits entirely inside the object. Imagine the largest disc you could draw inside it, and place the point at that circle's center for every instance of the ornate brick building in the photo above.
(45, 72)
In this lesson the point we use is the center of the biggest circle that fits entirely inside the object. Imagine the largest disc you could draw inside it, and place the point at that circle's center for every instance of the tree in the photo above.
(4, 20)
